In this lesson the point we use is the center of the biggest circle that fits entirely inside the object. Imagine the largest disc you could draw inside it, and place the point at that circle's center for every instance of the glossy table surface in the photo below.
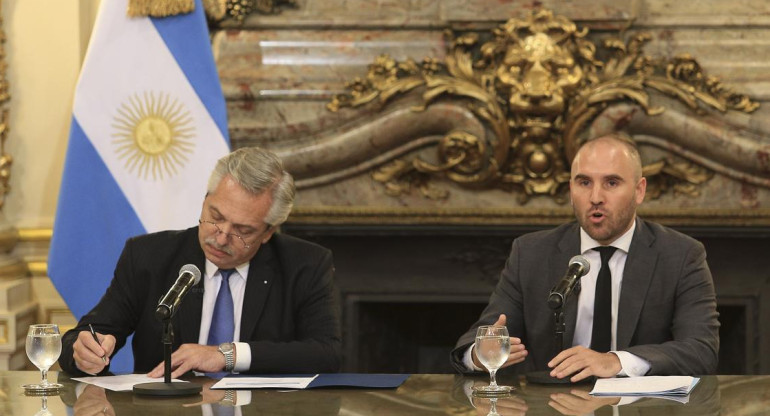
(421, 394)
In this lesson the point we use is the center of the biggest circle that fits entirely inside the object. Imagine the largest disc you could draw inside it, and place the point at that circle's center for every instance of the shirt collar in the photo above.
(212, 269)
(623, 242)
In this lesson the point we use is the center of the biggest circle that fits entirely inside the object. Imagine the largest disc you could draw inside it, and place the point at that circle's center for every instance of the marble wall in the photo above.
(403, 253)
(279, 72)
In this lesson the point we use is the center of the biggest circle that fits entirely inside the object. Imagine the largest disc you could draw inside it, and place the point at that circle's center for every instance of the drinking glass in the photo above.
(493, 407)
(44, 407)
(493, 345)
(43, 349)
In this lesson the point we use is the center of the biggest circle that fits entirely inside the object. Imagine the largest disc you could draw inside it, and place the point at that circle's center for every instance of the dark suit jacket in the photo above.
(290, 314)
(666, 315)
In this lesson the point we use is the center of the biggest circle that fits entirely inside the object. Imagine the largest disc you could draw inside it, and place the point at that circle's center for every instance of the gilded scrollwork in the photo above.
(681, 177)
(400, 176)
(238, 10)
(536, 83)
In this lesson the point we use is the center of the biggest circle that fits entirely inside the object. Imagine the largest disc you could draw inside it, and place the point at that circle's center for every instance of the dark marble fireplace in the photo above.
(407, 293)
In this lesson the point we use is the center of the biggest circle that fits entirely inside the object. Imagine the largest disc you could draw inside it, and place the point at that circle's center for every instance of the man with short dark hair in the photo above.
(646, 307)
(266, 302)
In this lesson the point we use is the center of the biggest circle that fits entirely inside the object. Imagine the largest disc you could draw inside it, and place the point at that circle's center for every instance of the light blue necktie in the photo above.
(223, 318)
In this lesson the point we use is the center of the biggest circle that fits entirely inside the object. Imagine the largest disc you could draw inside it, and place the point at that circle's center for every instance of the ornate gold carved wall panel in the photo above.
(5, 158)
(460, 116)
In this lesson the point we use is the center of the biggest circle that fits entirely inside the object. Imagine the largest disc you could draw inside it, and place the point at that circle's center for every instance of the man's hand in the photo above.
(93, 401)
(192, 357)
(579, 402)
(208, 396)
(88, 353)
(518, 351)
(584, 362)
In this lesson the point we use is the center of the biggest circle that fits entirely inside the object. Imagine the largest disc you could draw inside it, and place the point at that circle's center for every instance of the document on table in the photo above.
(264, 382)
(309, 381)
(121, 383)
(645, 386)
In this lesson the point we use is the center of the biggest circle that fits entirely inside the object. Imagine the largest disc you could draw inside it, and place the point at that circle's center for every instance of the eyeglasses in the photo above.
(219, 230)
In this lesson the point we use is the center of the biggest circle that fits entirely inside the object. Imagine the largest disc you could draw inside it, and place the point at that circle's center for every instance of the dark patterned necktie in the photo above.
(601, 335)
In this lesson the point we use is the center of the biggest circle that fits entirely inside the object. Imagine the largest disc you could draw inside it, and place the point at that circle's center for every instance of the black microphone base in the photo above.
(544, 377)
(167, 389)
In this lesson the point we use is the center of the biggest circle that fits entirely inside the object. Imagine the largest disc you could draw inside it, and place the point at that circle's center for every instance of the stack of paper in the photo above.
(653, 386)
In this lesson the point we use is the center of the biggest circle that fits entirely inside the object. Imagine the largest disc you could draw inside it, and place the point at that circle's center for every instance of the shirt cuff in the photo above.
(468, 360)
(242, 357)
(632, 365)
(242, 398)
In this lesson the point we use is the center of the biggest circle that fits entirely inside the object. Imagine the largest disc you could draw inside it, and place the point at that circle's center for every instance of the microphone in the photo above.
(578, 267)
(189, 275)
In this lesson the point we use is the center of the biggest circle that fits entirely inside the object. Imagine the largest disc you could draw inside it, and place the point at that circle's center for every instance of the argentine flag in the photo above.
(149, 124)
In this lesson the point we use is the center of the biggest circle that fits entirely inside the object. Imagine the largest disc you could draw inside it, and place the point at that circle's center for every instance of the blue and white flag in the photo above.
(149, 124)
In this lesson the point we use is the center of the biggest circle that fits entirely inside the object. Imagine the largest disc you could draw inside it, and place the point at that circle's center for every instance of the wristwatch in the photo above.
(229, 399)
(229, 352)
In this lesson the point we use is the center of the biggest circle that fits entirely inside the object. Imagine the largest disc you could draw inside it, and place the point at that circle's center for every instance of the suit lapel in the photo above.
(263, 271)
(637, 275)
(569, 246)
(190, 320)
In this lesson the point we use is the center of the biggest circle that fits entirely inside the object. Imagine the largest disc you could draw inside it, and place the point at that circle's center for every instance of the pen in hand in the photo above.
(93, 334)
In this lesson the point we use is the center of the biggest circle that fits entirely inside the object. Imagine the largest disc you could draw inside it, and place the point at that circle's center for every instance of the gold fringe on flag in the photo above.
(159, 8)
(215, 9)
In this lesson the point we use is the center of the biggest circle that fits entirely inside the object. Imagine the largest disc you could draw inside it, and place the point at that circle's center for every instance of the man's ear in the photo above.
(641, 189)
(269, 234)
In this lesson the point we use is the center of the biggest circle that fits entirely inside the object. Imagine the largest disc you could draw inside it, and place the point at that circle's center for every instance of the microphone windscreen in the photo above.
(581, 261)
(194, 270)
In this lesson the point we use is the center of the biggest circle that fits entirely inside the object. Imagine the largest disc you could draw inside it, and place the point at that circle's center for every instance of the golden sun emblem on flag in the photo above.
(153, 135)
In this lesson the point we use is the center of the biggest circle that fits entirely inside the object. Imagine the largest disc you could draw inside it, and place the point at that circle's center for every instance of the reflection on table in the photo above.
(421, 394)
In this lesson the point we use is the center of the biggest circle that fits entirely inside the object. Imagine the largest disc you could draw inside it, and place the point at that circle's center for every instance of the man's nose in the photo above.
(597, 196)
(222, 237)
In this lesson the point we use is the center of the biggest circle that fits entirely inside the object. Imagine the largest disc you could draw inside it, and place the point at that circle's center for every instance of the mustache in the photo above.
(213, 243)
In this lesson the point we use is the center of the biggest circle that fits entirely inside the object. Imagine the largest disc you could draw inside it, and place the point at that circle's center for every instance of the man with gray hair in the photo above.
(265, 303)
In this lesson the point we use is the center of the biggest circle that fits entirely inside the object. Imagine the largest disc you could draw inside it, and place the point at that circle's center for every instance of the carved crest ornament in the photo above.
(536, 83)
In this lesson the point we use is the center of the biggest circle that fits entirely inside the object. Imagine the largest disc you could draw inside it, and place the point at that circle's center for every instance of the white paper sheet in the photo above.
(122, 382)
(263, 382)
(645, 386)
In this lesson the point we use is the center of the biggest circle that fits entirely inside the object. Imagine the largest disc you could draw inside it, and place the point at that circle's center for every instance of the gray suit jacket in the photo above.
(667, 311)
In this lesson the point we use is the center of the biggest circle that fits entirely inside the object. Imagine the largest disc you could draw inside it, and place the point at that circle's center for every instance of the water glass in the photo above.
(493, 346)
(43, 349)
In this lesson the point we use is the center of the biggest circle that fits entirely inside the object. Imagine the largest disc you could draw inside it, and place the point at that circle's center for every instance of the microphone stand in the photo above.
(167, 387)
(544, 377)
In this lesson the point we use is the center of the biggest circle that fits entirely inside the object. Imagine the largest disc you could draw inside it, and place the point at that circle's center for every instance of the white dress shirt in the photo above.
(631, 365)
(212, 279)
